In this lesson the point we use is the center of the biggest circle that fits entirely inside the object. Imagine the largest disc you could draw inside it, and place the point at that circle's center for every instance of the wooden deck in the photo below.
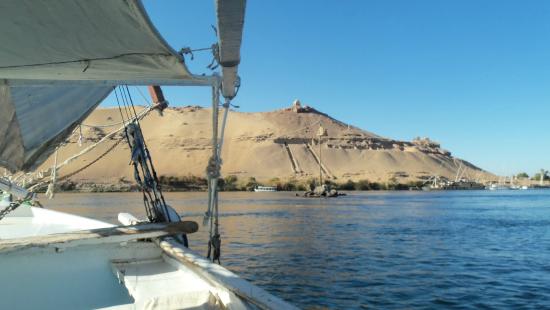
(101, 235)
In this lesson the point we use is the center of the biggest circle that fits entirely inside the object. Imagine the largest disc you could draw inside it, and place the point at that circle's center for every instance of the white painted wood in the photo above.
(43, 222)
(222, 277)
(127, 219)
(78, 277)
(155, 284)
(98, 236)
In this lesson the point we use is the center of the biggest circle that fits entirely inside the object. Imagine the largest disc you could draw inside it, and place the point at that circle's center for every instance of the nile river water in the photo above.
(390, 250)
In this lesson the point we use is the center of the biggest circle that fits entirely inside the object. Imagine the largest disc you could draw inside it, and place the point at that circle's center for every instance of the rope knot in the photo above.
(213, 168)
(215, 244)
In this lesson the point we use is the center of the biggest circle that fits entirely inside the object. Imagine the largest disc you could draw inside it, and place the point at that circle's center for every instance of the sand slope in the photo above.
(261, 145)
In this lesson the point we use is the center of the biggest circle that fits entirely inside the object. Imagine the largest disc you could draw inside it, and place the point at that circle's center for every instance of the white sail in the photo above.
(83, 40)
(35, 119)
(59, 59)
(66, 42)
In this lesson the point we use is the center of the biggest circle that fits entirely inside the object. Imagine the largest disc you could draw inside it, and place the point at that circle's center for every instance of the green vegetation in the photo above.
(364, 185)
(522, 175)
(251, 184)
(186, 183)
(347, 186)
(288, 185)
(536, 177)
(233, 183)
(229, 183)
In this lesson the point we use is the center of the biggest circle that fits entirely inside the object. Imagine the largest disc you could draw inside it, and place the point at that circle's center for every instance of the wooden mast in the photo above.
(159, 102)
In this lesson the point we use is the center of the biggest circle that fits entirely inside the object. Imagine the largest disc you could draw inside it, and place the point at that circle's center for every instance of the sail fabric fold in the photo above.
(66, 41)
(83, 40)
(230, 17)
(34, 120)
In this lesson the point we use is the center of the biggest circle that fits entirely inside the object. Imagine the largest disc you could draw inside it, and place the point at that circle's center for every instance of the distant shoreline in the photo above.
(232, 184)
(291, 186)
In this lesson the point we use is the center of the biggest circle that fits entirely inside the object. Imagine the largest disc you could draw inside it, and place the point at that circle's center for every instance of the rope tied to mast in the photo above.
(80, 137)
(36, 184)
(50, 193)
(213, 173)
(214, 167)
(144, 171)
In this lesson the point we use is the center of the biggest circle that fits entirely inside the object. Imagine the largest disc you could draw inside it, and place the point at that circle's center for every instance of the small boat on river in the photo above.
(265, 189)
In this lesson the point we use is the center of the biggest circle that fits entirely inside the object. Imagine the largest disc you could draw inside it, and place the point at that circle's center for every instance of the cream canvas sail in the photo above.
(59, 59)
(35, 119)
(67, 41)
(83, 40)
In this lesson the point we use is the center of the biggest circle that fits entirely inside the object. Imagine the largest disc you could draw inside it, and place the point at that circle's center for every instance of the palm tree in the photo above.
(543, 175)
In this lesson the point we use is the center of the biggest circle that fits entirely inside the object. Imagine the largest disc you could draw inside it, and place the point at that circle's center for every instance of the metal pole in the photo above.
(213, 182)
(320, 167)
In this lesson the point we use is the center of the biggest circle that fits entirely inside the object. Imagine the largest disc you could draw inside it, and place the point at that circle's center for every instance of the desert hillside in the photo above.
(280, 144)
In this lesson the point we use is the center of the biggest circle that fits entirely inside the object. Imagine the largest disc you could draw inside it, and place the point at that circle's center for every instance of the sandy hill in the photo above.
(261, 145)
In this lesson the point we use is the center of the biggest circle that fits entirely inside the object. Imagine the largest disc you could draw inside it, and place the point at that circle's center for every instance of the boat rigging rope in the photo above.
(50, 193)
(77, 171)
(103, 126)
(80, 137)
(69, 160)
(86, 61)
(144, 171)
(213, 174)
(188, 50)
(122, 122)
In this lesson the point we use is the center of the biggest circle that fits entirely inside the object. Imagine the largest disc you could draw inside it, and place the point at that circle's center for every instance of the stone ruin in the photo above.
(298, 108)
(425, 142)
(429, 146)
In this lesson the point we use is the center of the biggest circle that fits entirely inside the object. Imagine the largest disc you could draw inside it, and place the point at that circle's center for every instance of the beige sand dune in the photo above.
(280, 144)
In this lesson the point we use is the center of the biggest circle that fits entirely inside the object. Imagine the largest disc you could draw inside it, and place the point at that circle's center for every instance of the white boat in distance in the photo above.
(265, 189)
(58, 61)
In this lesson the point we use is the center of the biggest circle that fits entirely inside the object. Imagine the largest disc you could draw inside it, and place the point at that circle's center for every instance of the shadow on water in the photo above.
(471, 249)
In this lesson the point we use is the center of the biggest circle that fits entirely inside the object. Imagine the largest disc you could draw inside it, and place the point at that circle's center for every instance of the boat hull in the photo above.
(128, 271)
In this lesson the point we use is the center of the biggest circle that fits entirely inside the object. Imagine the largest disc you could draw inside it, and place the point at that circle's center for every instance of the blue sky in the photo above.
(473, 75)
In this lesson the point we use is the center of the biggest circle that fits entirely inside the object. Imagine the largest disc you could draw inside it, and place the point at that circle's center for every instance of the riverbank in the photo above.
(232, 183)
(229, 184)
